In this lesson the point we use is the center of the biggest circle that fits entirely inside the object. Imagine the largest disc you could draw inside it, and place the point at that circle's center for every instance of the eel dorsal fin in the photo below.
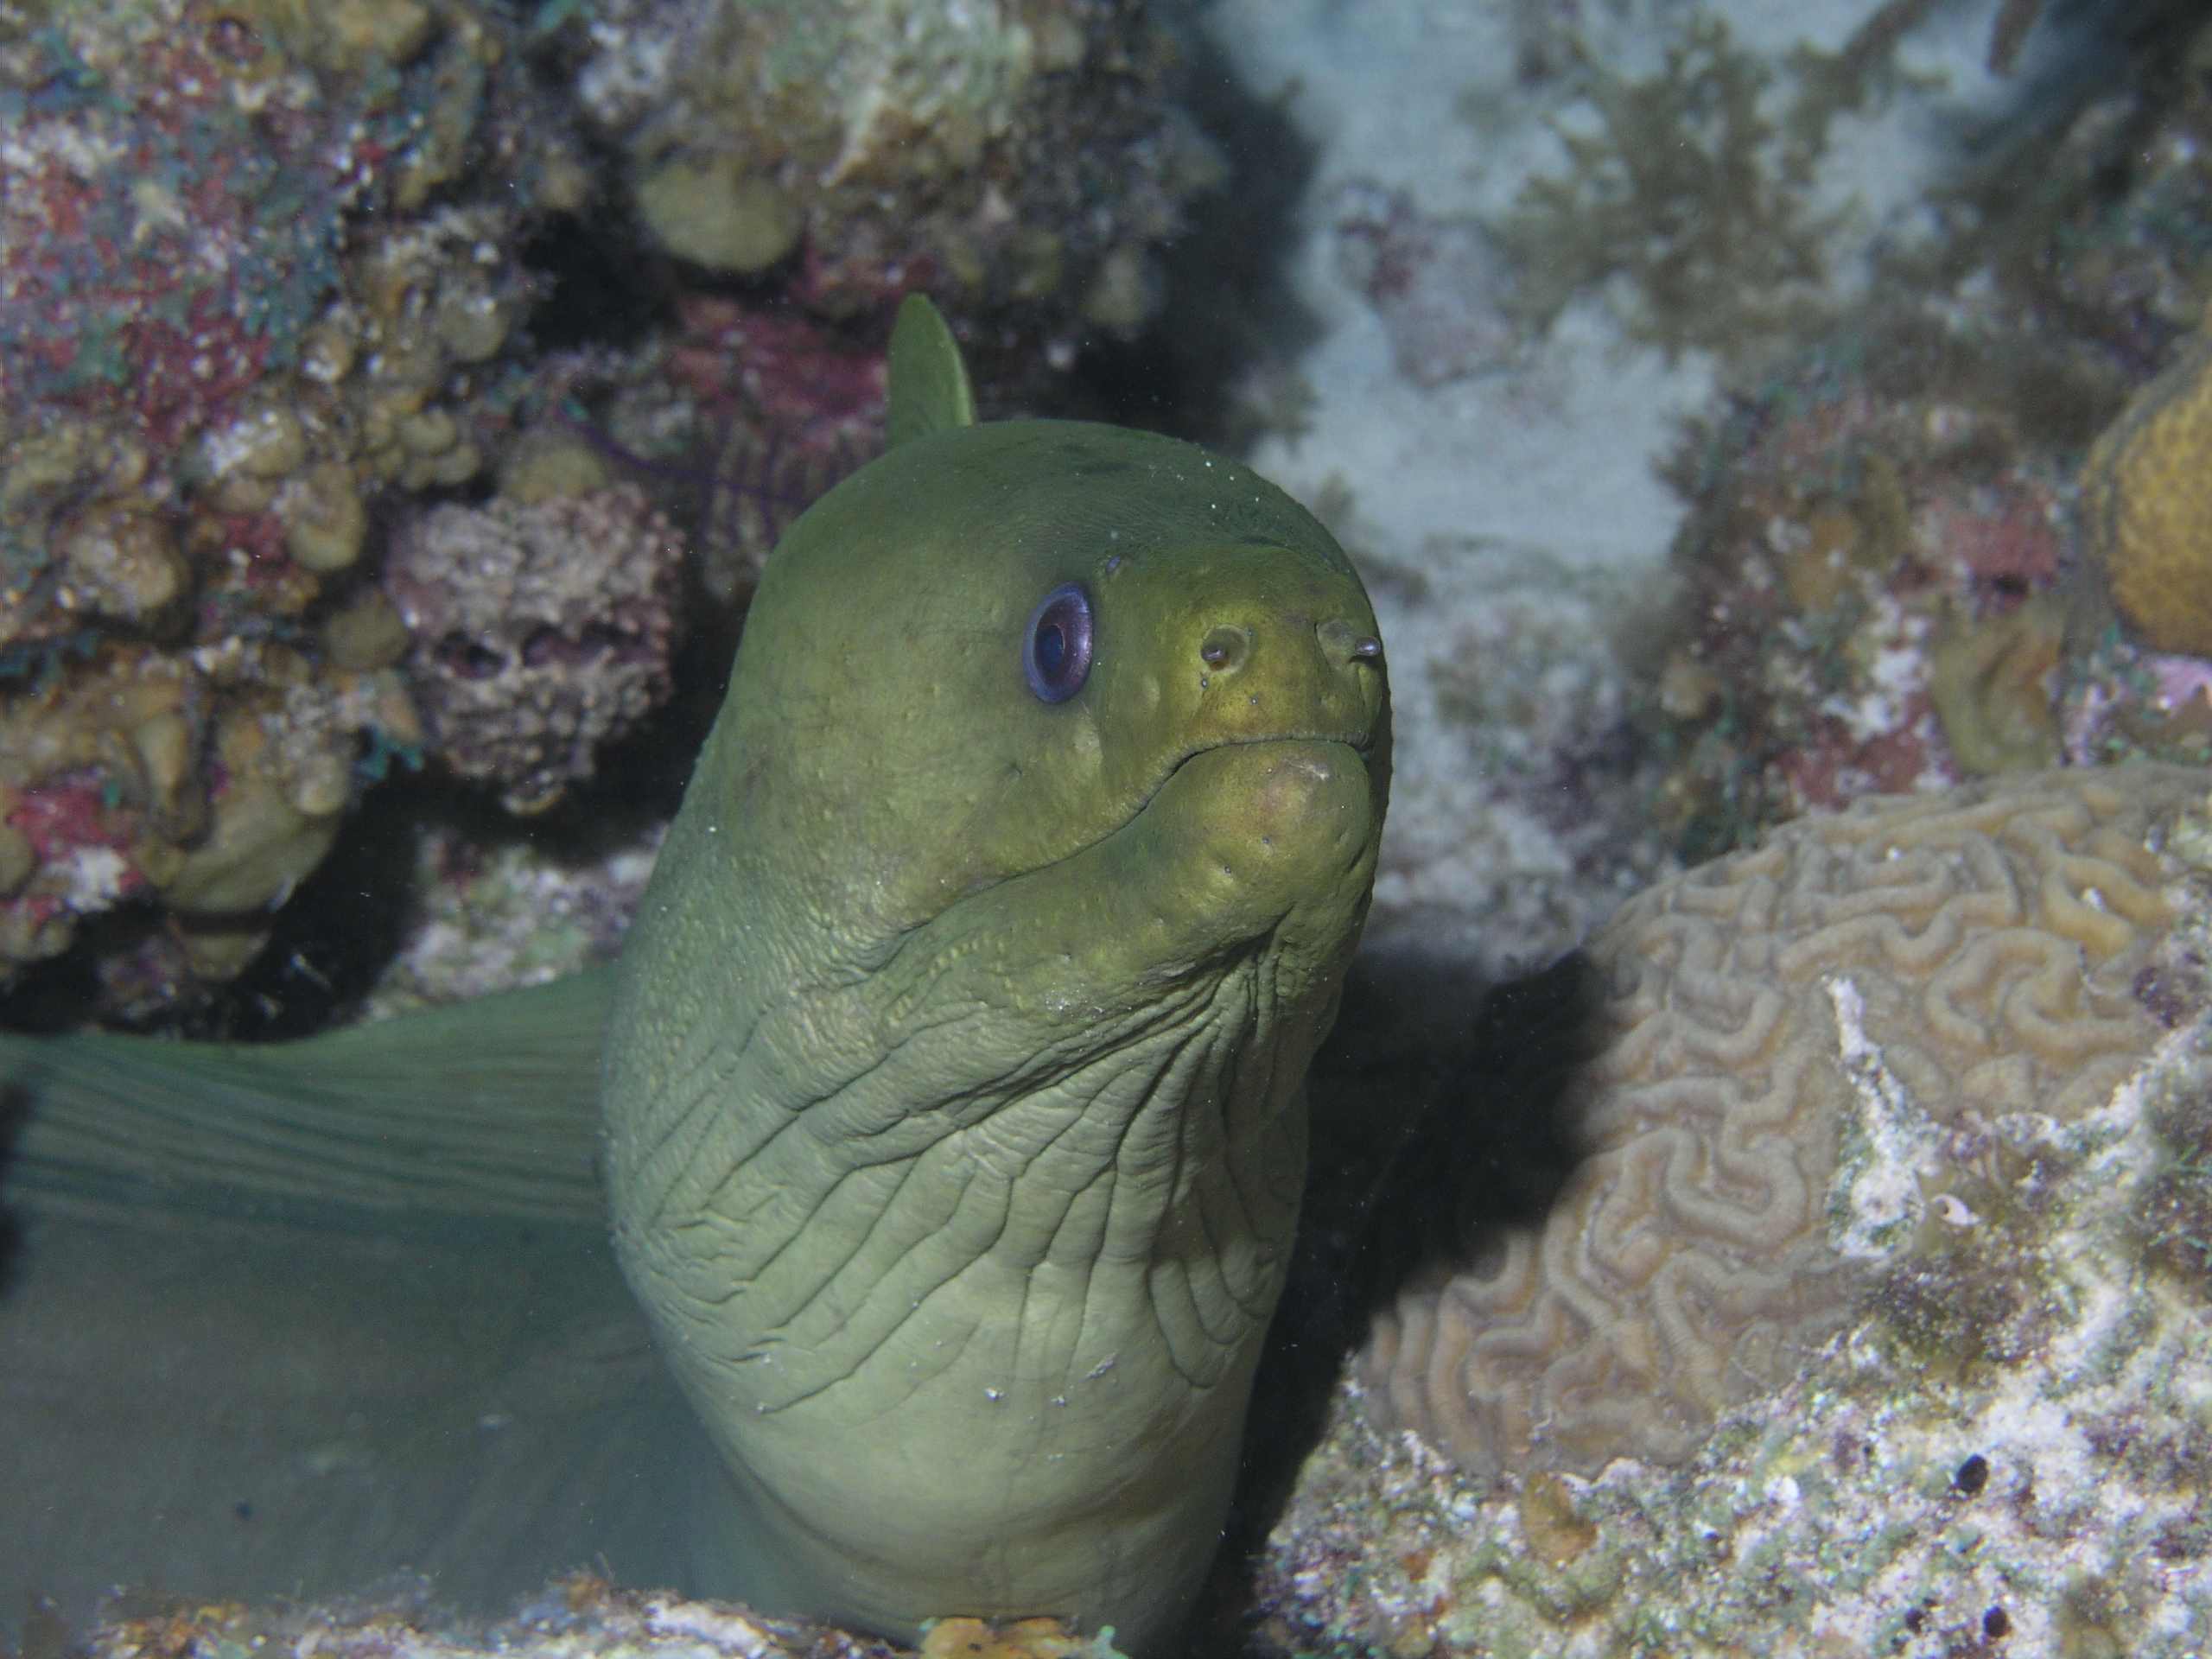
(930, 391)
(487, 1108)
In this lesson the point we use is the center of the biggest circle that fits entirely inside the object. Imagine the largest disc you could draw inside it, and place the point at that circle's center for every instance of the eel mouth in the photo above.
(1363, 743)
(1360, 743)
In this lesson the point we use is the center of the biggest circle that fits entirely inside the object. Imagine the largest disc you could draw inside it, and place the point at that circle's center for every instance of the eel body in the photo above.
(952, 1088)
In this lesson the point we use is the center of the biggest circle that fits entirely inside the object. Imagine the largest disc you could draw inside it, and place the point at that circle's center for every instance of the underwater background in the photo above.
(1736, 412)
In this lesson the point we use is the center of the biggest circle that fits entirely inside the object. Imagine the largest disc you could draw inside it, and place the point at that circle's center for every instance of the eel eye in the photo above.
(1056, 653)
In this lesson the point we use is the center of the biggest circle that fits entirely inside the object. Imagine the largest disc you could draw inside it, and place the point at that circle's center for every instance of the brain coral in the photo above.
(1804, 1049)
(2146, 493)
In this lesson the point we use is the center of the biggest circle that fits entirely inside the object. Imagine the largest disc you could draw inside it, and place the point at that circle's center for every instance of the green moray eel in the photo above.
(952, 1087)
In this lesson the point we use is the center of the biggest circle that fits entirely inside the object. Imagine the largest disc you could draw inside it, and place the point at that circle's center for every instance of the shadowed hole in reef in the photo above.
(1443, 1118)
(1228, 307)
(468, 659)
(594, 642)
(345, 923)
(589, 280)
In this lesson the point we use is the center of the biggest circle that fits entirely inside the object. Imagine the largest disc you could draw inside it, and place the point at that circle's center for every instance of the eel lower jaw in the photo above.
(1361, 743)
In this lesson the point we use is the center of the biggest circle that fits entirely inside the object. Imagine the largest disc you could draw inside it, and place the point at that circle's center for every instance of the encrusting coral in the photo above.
(212, 781)
(2146, 495)
(260, 265)
(578, 1618)
(1872, 569)
(1014, 154)
(540, 631)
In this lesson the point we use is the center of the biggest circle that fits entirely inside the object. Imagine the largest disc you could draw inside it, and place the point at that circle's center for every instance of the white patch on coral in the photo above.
(724, 1629)
(87, 153)
(1874, 1198)
(1955, 1211)
(224, 449)
(1897, 673)
(630, 73)
(97, 876)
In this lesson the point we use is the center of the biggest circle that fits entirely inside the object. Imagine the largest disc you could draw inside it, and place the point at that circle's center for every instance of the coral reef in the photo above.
(219, 268)
(272, 275)
(576, 1617)
(2146, 495)
(1874, 1320)
(258, 265)
(1870, 580)
(539, 633)
(997, 156)
(1886, 583)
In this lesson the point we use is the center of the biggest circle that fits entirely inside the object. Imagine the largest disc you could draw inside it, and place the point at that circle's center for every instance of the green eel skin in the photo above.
(953, 1088)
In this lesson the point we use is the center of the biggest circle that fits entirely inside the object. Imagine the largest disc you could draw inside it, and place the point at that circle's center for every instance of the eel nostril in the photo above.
(1224, 648)
(1343, 643)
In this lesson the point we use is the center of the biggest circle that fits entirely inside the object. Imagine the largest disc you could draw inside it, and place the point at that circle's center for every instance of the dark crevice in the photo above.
(1445, 1115)
(1229, 305)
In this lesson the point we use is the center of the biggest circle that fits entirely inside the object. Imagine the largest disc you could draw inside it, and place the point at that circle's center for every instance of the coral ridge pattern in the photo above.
(1804, 1045)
